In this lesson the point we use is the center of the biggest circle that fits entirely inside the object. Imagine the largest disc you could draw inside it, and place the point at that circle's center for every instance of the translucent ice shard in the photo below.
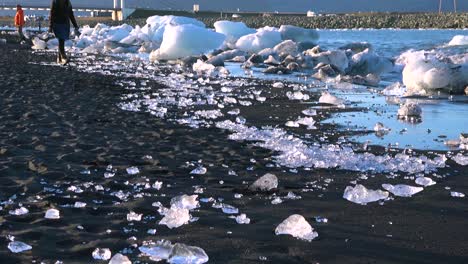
(424, 181)
(296, 226)
(361, 195)
(174, 253)
(18, 246)
(175, 217)
(402, 190)
(133, 170)
(20, 211)
(132, 216)
(242, 219)
(200, 170)
(185, 202)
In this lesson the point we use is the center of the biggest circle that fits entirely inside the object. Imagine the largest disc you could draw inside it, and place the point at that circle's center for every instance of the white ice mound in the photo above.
(409, 110)
(402, 190)
(52, 214)
(361, 195)
(175, 217)
(266, 37)
(232, 30)
(328, 98)
(265, 183)
(18, 246)
(185, 202)
(287, 47)
(119, 259)
(174, 253)
(187, 40)
(425, 72)
(296, 226)
(459, 40)
(461, 159)
(298, 34)
(157, 21)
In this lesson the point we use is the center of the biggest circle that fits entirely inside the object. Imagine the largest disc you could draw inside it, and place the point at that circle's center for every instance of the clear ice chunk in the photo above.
(185, 202)
(52, 214)
(175, 217)
(199, 171)
(119, 259)
(402, 190)
(361, 195)
(133, 170)
(265, 183)
(296, 226)
(18, 246)
(424, 181)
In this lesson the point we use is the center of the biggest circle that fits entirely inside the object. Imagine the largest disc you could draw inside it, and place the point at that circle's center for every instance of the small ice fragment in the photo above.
(229, 209)
(379, 127)
(85, 172)
(307, 121)
(409, 110)
(102, 254)
(175, 254)
(320, 219)
(424, 181)
(402, 190)
(157, 251)
(151, 231)
(292, 124)
(183, 254)
(461, 159)
(175, 217)
(157, 185)
(297, 96)
(277, 200)
(242, 219)
(457, 194)
(109, 174)
(361, 195)
(132, 216)
(119, 259)
(309, 112)
(52, 214)
(20, 211)
(199, 171)
(79, 205)
(133, 170)
(328, 98)
(278, 85)
(296, 226)
(267, 182)
(18, 246)
(185, 202)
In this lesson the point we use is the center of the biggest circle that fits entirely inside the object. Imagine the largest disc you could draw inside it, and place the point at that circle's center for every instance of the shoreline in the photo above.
(93, 132)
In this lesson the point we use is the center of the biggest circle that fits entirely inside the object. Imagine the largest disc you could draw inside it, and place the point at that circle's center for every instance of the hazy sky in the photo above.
(272, 5)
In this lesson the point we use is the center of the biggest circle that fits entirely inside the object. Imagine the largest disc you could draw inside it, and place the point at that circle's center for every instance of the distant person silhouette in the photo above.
(61, 13)
(19, 21)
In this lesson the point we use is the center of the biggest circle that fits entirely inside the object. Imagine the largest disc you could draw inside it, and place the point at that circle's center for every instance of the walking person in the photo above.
(19, 21)
(61, 13)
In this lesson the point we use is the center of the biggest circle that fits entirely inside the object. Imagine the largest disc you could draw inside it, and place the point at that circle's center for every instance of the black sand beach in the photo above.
(56, 121)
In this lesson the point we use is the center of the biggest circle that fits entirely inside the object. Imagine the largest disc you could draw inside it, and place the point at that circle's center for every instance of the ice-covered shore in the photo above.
(286, 49)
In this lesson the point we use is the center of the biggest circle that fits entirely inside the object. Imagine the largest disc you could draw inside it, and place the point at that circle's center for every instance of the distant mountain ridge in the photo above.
(323, 6)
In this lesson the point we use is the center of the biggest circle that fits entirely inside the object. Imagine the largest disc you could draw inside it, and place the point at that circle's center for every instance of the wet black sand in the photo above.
(63, 121)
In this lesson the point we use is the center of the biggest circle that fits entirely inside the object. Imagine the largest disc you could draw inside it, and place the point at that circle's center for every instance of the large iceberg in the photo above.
(187, 40)
(266, 37)
(233, 30)
(424, 72)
